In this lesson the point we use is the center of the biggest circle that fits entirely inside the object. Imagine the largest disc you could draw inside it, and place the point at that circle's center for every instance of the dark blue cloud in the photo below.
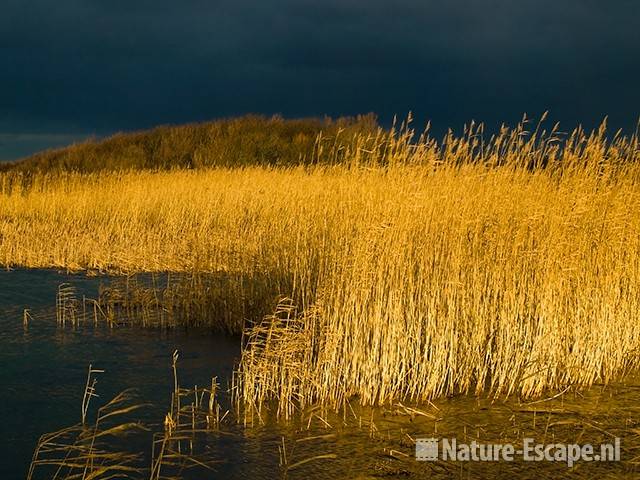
(83, 66)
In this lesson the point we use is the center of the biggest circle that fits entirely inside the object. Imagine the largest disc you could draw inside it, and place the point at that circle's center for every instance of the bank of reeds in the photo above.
(412, 269)
(221, 301)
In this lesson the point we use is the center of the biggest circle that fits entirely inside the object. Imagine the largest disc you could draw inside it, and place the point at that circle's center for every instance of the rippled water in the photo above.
(43, 371)
(44, 367)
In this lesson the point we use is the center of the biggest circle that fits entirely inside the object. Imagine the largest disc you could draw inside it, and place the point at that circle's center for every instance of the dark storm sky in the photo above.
(79, 67)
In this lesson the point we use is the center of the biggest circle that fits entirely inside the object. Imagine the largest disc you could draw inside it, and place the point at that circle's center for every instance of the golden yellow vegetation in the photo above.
(414, 270)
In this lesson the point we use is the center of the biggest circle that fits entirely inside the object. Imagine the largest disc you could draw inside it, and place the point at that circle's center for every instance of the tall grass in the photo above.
(414, 269)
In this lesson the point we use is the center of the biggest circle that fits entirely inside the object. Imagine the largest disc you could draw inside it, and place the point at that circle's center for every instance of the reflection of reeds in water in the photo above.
(67, 305)
(26, 318)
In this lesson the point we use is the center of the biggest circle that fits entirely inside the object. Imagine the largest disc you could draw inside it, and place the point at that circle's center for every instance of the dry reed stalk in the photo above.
(91, 452)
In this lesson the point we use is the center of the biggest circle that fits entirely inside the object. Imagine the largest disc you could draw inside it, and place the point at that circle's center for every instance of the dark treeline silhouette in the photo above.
(243, 141)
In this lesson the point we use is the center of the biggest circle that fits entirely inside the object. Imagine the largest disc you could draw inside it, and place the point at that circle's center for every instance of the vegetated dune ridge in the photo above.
(234, 142)
(408, 269)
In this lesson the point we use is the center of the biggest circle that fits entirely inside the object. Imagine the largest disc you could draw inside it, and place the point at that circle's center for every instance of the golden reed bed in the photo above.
(411, 270)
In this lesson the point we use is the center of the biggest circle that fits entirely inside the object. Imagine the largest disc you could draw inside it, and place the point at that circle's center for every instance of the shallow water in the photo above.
(44, 367)
(43, 372)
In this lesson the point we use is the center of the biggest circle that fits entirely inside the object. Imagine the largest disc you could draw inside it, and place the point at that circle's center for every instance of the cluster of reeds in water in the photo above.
(413, 269)
(165, 301)
(107, 448)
